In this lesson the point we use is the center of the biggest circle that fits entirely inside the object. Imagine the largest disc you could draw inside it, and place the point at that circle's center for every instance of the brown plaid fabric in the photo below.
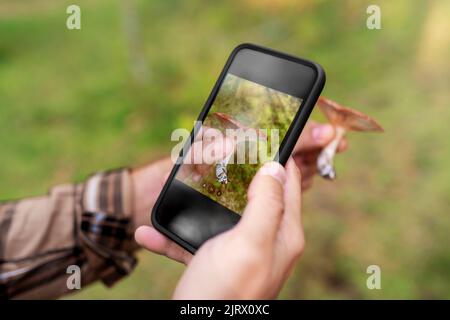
(88, 224)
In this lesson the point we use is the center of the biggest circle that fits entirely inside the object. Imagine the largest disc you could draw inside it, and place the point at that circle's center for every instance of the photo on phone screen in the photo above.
(249, 106)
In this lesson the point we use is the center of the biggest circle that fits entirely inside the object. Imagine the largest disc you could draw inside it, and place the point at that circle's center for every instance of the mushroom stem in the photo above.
(221, 169)
(325, 164)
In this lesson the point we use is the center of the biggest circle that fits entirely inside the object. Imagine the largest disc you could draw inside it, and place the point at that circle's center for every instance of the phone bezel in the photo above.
(287, 144)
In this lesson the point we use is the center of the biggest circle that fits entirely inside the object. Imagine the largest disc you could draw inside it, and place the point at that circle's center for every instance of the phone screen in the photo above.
(254, 120)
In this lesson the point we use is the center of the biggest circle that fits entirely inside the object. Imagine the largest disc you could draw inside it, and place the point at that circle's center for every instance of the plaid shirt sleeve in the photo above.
(88, 225)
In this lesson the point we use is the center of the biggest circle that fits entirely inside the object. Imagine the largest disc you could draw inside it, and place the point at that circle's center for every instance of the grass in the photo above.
(70, 106)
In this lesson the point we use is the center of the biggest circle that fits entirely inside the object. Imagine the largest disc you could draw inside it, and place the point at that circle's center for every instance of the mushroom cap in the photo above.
(347, 118)
(230, 123)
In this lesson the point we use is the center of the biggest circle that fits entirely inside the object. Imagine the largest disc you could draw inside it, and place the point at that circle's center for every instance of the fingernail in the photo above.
(275, 170)
(323, 132)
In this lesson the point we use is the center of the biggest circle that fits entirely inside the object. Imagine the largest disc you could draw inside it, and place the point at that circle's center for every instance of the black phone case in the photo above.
(287, 144)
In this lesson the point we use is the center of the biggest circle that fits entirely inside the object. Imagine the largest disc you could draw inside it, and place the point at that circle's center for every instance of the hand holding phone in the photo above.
(262, 92)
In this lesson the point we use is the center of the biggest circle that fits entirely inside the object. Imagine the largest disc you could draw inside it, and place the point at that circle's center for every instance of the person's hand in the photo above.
(149, 181)
(315, 136)
(253, 259)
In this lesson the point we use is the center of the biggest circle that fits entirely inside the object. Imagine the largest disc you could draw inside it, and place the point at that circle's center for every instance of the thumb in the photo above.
(265, 207)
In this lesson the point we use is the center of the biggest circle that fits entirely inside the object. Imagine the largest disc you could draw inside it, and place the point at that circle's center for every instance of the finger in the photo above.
(311, 155)
(214, 147)
(314, 136)
(164, 178)
(306, 158)
(262, 216)
(291, 240)
(217, 148)
(308, 171)
(154, 241)
(309, 158)
(306, 168)
(343, 145)
(194, 154)
(307, 183)
(204, 136)
(210, 153)
(292, 193)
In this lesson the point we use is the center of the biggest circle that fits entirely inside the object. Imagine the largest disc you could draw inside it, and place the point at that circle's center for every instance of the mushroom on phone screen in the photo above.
(343, 119)
(229, 122)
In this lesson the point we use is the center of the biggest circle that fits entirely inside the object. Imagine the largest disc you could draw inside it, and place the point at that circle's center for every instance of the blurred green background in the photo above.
(109, 95)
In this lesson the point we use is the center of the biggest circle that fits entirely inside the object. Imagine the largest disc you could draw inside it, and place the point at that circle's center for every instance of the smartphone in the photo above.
(259, 88)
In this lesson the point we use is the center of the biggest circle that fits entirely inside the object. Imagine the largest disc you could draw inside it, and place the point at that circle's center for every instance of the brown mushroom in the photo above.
(229, 122)
(343, 119)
